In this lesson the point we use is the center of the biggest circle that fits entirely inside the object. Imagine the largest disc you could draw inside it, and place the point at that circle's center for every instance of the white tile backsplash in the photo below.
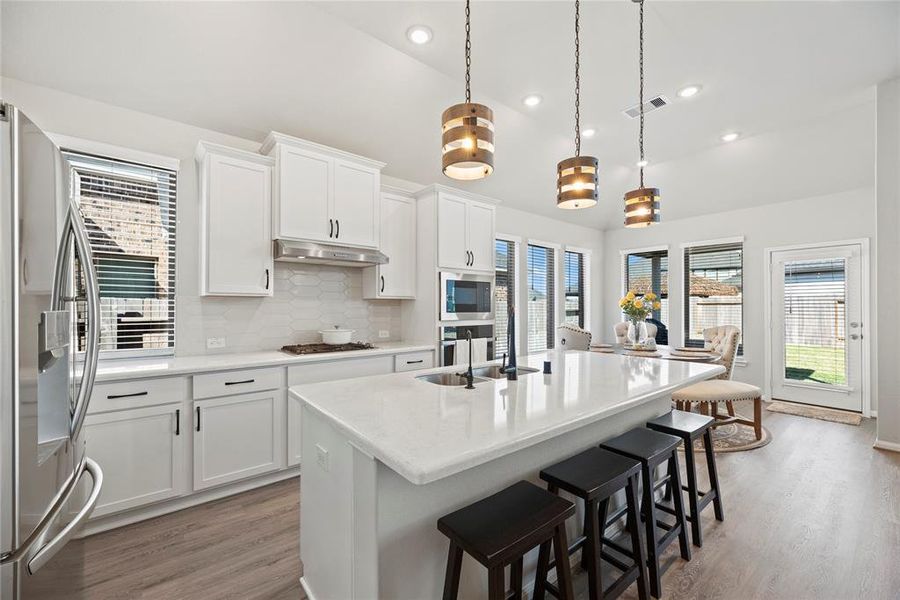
(306, 299)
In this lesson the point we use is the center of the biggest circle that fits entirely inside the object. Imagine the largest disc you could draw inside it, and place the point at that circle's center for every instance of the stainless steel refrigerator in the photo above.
(49, 323)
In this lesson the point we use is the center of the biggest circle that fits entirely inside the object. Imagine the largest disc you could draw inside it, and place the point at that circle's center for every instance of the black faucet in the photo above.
(511, 368)
(470, 376)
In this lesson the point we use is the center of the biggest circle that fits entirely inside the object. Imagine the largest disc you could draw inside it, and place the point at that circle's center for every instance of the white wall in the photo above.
(841, 216)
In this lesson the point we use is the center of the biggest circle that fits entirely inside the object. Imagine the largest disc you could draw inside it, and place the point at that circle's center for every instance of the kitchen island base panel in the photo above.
(373, 534)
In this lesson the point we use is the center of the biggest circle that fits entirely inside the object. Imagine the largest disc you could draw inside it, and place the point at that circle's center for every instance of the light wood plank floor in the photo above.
(815, 514)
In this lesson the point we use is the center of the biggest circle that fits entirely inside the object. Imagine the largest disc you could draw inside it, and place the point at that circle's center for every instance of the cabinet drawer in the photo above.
(340, 369)
(137, 393)
(413, 361)
(228, 383)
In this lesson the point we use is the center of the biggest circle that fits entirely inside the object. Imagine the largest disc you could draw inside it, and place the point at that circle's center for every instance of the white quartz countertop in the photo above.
(426, 432)
(112, 370)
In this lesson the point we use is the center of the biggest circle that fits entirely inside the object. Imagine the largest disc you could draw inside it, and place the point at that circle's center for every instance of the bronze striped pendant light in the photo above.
(467, 138)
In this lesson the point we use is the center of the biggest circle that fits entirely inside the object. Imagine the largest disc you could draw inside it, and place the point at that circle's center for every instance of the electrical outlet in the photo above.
(384, 333)
(215, 342)
(322, 457)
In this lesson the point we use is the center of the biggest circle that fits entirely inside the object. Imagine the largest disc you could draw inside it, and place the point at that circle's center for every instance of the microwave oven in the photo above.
(466, 297)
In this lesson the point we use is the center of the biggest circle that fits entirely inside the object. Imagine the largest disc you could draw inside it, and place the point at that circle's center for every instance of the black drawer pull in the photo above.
(116, 396)
(198, 418)
(177, 421)
(239, 382)
(414, 362)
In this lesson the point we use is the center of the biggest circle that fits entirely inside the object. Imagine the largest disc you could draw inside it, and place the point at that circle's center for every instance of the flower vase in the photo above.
(637, 332)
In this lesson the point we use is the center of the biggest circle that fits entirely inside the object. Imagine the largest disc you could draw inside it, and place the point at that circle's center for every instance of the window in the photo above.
(714, 289)
(541, 298)
(649, 272)
(573, 269)
(504, 292)
(129, 213)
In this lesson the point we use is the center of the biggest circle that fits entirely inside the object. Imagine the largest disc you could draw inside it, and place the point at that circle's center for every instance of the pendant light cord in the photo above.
(468, 54)
(577, 84)
(641, 91)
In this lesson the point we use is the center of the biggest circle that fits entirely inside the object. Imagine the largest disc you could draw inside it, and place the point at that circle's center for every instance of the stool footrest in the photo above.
(616, 516)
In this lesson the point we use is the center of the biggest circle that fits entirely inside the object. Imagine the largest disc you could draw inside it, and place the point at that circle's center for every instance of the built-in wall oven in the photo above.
(466, 297)
(450, 334)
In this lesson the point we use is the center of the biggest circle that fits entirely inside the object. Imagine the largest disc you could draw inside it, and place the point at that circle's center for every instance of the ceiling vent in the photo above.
(651, 105)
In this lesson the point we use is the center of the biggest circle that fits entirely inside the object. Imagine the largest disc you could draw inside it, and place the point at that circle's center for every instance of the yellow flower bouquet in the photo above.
(637, 308)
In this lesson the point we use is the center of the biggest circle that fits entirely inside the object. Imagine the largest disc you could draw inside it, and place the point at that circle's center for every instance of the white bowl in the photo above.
(336, 335)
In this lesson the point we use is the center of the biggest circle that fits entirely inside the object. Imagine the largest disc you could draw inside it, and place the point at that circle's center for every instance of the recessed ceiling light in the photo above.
(588, 133)
(689, 90)
(642, 163)
(419, 34)
(531, 100)
(730, 136)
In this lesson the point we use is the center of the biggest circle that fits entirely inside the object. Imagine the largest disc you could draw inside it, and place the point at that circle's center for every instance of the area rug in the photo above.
(815, 412)
(734, 437)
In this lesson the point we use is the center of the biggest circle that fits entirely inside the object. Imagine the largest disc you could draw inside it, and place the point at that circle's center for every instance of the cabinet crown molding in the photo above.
(204, 148)
(437, 188)
(275, 138)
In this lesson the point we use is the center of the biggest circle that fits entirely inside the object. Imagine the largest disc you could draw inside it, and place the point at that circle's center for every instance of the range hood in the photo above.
(326, 254)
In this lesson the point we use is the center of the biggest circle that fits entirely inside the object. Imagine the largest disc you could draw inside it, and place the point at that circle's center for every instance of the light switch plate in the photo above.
(384, 333)
(215, 342)
(322, 457)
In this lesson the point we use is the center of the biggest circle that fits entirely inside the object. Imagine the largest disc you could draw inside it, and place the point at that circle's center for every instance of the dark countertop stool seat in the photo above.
(689, 427)
(595, 475)
(652, 449)
(499, 530)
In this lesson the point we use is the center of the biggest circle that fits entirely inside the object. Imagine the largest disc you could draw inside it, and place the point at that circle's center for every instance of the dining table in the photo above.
(700, 355)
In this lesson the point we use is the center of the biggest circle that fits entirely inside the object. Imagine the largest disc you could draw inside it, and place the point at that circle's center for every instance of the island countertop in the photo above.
(426, 432)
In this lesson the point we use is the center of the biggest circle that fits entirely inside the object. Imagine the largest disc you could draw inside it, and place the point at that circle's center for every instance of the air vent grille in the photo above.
(652, 104)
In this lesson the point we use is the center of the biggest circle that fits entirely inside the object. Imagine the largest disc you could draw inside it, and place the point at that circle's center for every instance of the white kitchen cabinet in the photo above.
(238, 437)
(294, 432)
(397, 278)
(236, 222)
(323, 194)
(465, 234)
(141, 452)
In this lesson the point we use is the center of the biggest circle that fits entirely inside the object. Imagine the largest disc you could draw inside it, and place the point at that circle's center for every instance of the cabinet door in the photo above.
(238, 437)
(398, 242)
(304, 192)
(481, 236)
(452, 243)
(141, 452)
(238, 236)
(356, 200)
(294, 411)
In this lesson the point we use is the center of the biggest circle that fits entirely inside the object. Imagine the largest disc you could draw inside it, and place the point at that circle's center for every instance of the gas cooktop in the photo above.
(320, 348)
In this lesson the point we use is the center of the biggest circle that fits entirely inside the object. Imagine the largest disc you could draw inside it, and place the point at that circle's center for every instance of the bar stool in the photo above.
(499, 530)
(594, 476)
(689, 427)
(652, 449)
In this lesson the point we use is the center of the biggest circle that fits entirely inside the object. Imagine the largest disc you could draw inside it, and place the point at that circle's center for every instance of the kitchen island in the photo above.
(385, 456)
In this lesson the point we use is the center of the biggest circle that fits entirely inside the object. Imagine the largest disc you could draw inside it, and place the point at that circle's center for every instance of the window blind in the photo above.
(541, 298)
(649, 271)
(573, 268)
(714, 290)
(504, 292)
(129, 213)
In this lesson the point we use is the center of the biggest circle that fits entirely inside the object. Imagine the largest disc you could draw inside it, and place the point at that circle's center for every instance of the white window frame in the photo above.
(517, 284)
(586, 254)
(557, 265)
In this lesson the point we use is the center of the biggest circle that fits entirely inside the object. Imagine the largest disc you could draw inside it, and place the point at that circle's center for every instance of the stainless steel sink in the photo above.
(494, 371)
(447, 379)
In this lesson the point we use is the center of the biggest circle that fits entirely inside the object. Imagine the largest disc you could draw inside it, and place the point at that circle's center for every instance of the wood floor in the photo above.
(813, 515)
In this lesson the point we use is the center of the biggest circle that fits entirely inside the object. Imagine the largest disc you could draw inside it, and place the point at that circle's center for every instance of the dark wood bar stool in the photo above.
(594, 476)
(500, 529)
(652, 449)
(689, 427)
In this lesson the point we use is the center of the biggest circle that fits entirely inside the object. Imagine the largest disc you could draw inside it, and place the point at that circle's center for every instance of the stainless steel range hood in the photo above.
(326, 254)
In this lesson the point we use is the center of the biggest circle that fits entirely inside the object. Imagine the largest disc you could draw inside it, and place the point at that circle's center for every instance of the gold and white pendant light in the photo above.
(577, 177)
(468, 131)
(642, 204)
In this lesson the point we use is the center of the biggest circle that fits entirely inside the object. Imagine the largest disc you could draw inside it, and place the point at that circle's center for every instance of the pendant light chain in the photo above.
(577, 85)
(468, 53)
(641, 92)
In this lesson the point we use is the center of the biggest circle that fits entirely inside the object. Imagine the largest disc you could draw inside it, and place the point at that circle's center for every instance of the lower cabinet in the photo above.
(141, 452)
(237, 437)
(294, 410)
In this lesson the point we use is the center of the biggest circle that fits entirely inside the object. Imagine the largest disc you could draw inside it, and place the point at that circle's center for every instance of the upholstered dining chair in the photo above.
(573, 337)
(710, 393)
(621, 331)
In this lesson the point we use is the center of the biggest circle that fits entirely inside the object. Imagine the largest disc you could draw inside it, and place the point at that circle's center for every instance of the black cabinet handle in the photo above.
(239, 382)
(198, 418)
(414, 362)
(330, 227)
(382, 283)
(177, 421)
(337, 228)
(134, 395)
(267, 279)
(473, 258)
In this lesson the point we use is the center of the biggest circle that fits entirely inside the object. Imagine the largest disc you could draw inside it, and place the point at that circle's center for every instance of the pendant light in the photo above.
(576, 177)
(642, 204)
(468, 132)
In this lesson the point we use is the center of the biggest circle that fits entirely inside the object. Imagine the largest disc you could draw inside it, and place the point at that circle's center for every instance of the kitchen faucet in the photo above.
(510, 368)
(469, 375)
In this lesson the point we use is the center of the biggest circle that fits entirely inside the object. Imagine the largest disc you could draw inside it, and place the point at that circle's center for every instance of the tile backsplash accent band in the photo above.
(306, 299)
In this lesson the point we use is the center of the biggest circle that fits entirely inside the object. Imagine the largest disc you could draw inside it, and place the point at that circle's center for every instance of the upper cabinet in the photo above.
(396, 278)
(235, 222)
(465, 230)
(323, 194)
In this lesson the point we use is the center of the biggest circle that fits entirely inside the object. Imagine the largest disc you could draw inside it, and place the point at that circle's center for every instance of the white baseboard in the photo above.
(882, 445)
(105, 523)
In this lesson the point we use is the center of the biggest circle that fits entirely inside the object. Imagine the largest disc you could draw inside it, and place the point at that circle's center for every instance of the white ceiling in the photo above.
(794, 77)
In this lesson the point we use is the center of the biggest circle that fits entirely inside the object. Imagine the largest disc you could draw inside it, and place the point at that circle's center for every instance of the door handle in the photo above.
(239, 382)
(132, 395)
(267, 279)
(382, 283)
(472, 264)
(198, 418)
(177, 421)
(330, 228)
(337, 228)
(855, 336)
